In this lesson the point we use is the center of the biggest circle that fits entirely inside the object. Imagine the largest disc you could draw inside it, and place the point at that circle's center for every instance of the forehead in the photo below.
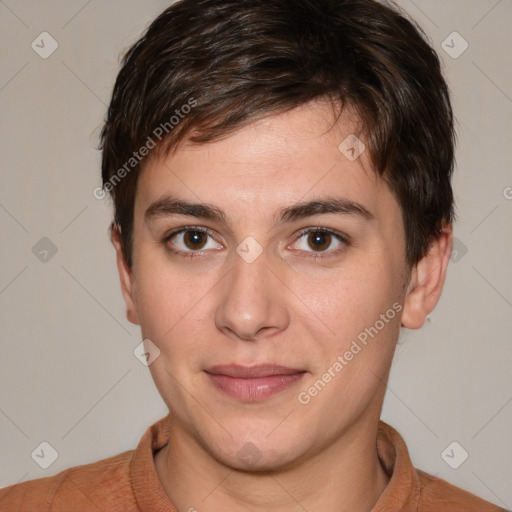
(293, 157)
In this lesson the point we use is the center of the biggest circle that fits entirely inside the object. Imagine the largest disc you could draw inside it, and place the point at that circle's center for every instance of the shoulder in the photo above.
(437, 494)
(101, 485)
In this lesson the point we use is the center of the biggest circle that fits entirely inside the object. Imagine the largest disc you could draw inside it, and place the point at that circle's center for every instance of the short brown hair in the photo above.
(236, 61)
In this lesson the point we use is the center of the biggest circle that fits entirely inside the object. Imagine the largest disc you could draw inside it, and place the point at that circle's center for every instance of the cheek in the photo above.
(349, 300)
(161, 301)
(166, 306)
(172, 307)
(360, 313)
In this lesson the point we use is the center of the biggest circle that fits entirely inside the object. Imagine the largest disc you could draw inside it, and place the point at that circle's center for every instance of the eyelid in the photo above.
(176, 231)
(184, 229)
(343, 238)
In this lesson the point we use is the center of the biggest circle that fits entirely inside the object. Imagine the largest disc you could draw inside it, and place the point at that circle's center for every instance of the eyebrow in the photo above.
(168, 206)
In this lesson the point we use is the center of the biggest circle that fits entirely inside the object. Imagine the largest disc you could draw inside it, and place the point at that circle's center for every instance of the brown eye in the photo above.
(194, 239)
(190, 240)
(319, 240)
(316, 241)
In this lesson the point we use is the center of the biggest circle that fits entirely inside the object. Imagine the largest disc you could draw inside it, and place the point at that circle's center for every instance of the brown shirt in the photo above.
(128, 482)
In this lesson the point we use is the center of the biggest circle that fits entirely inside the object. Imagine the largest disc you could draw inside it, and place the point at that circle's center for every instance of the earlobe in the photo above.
(427, 280)
(125, 277)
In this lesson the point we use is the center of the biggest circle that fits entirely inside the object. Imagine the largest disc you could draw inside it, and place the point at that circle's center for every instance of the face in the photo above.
(272, 275)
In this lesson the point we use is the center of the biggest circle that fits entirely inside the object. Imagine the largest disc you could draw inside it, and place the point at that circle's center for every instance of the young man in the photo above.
(281, 179)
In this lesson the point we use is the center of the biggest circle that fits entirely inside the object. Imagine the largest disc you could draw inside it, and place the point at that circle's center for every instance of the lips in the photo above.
(253, 383)
(247, 372)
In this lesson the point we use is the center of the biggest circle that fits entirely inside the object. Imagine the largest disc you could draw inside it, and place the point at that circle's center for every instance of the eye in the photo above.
(320, 240)
(190, 239)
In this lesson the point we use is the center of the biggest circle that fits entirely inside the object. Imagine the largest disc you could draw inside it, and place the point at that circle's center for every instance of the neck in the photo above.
(345, 476)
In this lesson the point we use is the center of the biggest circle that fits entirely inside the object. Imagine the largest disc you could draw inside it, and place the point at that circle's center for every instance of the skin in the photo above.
(283, 308)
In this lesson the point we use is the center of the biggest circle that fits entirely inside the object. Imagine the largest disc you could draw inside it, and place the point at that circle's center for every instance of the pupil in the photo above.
(195, 236)
(321, 241)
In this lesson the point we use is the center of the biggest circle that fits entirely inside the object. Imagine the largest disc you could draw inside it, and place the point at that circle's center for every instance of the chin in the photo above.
(256, 452)
(250, 459)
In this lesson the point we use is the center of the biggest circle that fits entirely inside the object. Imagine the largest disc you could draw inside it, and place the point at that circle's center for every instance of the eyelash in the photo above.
(344, 239)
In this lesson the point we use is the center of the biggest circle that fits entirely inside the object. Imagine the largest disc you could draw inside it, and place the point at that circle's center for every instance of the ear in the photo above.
(125, 277)
(427, 280)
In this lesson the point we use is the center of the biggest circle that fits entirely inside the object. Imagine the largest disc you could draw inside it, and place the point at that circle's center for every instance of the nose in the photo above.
(252, 303)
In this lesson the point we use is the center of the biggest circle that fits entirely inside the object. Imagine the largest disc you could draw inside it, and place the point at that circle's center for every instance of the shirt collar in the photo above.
(401, 494)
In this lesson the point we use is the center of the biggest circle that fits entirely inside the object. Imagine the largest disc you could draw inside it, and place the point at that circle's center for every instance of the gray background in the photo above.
(68, 375)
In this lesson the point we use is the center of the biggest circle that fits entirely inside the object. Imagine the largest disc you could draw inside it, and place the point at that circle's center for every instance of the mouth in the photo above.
(253, 383)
